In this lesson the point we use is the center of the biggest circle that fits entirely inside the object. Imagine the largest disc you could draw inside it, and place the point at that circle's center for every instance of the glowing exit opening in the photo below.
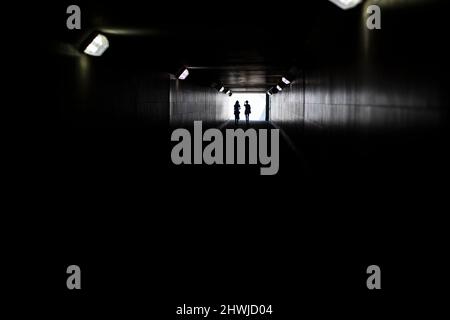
(257, 103)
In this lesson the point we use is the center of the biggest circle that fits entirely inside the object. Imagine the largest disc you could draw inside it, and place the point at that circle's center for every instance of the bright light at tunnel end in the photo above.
(97, 46)
(346, 4)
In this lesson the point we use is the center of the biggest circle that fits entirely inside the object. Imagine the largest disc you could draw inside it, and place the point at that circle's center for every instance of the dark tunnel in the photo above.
(362, 116)
(354, 94)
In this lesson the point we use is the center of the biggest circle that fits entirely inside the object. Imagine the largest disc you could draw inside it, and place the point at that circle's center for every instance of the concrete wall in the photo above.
(361, 80)
(287, 107)
(360, 100)
(190, 102)
(101, 93)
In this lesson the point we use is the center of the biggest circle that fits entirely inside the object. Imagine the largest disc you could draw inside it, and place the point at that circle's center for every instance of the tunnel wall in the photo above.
(351, 99)
(288, 107)
(100, 93)
(103, 93)
(362, 80)
(190, 102)
(356, 100)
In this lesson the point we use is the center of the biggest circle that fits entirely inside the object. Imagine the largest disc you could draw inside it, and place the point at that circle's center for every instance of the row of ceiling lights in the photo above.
(222, 89)
(100, 43)
(183, 73)
(279, 87)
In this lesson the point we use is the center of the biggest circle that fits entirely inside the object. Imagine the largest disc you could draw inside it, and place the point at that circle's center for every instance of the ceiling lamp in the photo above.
(346, 4)
(97, 46)
(183, 73)
(285, 80)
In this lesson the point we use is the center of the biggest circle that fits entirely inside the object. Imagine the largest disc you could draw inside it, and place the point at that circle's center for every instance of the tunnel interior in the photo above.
(365, 110)
(363, 123)
(350, 88)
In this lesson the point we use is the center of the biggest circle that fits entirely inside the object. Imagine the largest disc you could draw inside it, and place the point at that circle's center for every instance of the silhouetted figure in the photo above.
(237, 107)
(248, 110)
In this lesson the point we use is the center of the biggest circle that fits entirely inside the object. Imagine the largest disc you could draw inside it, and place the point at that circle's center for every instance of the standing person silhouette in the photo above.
(248, 110)
(237, 107)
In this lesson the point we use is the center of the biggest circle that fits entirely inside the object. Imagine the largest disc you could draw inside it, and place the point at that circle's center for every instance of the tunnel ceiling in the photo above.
(246, 46)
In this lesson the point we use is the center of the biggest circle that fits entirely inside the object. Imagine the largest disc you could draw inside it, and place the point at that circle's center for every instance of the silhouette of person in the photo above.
(248, 110)
(237, 107)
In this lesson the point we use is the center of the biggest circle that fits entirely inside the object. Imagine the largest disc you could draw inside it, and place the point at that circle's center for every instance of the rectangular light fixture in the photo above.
(279, 88)
(346, 4)
(228, 92)
(97, 46)
(221, 89)
(286, 81)
(183, 74)
(269, 93)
